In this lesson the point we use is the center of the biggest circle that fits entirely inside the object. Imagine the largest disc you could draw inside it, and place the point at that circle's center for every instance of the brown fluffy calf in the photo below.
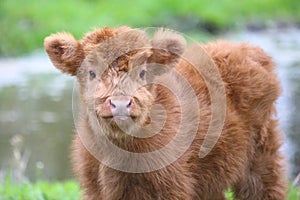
(114, 66)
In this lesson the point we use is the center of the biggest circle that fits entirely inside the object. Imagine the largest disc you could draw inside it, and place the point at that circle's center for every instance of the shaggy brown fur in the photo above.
(245, 158)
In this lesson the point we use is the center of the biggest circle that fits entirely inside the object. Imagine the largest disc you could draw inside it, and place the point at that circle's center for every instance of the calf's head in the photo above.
(115, 69)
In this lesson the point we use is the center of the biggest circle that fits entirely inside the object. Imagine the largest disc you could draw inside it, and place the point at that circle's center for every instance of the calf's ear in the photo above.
(64, 51)
(167, 47)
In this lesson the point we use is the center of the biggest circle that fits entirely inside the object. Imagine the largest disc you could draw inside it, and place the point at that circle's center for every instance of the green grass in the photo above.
(292, 194)
(25, 23)
(68, 190)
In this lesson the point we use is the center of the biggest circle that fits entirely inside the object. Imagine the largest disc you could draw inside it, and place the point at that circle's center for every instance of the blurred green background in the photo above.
(25, 23)
(35, 111)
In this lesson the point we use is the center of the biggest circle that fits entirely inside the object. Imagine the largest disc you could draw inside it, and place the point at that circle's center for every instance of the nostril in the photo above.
(129, 104)
(112, 104)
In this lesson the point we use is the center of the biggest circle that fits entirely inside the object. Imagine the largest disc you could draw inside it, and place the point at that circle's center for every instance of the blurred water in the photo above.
(36, 110)
(36, 104)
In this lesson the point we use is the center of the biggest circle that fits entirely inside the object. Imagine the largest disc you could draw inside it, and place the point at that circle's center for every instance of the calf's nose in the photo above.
(120, 105)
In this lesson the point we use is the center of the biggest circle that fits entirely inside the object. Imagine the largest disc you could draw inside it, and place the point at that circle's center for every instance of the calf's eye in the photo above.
(92, 74)
(142, 73)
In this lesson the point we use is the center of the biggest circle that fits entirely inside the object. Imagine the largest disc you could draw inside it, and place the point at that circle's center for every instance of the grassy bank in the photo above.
(68, 190)
(24, 23)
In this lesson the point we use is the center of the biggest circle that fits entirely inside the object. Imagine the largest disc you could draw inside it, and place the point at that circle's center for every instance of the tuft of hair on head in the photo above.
(122, 44)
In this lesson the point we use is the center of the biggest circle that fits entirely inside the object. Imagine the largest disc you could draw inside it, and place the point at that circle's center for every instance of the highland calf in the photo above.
(141, 94)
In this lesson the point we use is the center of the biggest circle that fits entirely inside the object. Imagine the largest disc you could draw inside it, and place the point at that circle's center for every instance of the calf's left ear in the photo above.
(64, 51)
(167, 47)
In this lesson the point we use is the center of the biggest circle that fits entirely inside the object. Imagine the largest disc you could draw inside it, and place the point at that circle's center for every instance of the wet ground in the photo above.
(36, 113)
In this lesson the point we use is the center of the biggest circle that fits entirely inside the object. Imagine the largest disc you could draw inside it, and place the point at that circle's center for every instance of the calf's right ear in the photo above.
(167, 47)
(64, 51)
